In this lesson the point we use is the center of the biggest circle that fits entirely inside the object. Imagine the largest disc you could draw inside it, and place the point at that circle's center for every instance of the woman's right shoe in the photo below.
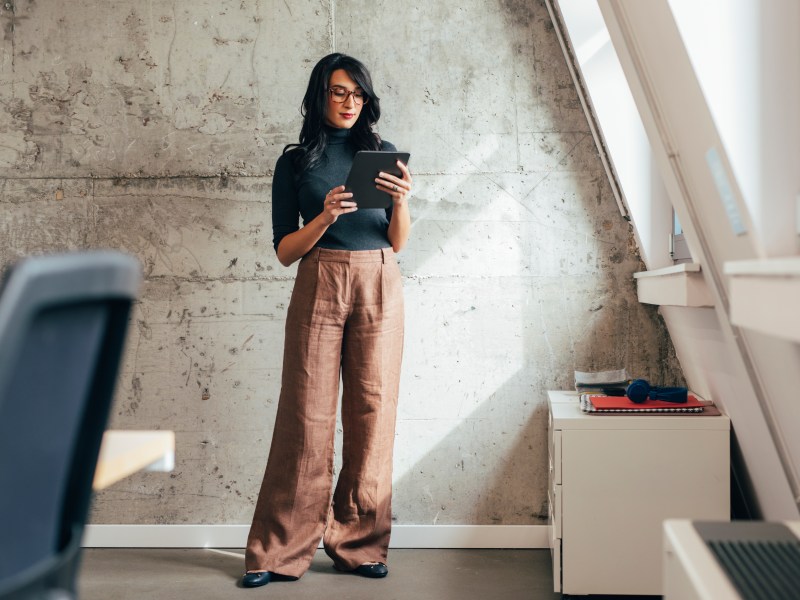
(256, 578)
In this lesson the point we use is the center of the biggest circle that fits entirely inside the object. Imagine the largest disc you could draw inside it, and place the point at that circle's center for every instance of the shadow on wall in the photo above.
(486, 463)
(550, 291)
(471, 441)
(484, 468)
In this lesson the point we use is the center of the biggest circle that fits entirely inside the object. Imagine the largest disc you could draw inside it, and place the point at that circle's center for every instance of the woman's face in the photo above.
(343, 108)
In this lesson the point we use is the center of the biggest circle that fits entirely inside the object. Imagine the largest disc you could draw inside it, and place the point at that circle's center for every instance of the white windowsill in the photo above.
(765, 294)
(678, 285)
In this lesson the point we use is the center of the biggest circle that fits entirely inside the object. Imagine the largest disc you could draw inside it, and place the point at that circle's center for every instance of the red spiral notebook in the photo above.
(598, 403)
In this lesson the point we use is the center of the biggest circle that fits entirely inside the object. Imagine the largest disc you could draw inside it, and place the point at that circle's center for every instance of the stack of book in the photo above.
(611, 383)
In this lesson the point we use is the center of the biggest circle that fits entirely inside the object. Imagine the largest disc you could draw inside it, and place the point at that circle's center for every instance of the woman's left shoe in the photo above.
(256, 578)
(373, 570)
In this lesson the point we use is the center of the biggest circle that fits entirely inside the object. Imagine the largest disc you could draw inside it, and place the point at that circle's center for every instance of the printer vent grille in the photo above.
(761, 570)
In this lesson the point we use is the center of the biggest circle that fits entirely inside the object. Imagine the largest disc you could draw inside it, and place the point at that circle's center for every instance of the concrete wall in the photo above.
(154, 127)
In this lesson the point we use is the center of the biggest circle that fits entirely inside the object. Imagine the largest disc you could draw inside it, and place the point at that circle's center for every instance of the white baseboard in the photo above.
(235, 536)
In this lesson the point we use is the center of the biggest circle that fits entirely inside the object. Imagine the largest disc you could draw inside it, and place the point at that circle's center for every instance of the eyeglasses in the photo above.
(340, 95)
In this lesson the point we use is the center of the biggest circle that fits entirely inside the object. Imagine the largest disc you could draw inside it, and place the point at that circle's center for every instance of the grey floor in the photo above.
(193, 574)
(119, 574)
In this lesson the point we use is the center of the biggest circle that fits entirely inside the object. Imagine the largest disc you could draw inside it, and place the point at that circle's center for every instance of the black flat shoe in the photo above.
(256, 579)
(375, 570)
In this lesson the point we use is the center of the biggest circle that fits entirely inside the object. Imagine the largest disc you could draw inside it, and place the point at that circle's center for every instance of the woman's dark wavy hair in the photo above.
(313, 137)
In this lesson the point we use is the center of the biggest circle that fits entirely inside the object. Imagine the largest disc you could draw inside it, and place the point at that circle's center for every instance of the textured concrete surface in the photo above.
(154, 127)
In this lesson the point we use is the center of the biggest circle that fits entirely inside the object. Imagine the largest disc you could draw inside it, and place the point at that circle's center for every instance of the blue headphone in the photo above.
(639, 390)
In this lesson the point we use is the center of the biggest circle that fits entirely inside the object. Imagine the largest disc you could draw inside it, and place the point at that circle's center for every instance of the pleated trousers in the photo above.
(345, 319)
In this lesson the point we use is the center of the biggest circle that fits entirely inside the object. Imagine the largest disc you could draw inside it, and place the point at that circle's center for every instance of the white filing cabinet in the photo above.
(614, 478)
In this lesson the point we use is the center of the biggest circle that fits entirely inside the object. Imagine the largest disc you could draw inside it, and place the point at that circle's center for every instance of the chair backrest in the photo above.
(63, 321)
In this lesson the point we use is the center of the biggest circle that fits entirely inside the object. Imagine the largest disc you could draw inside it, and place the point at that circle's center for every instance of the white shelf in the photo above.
(771, 267)
(679, 285)
(765, 294)
(125, 452)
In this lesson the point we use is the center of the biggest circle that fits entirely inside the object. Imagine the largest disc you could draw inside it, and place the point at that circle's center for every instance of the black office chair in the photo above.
(63, 321)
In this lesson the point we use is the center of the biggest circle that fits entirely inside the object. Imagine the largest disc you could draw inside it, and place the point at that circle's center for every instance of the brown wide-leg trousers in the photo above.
(346, 315)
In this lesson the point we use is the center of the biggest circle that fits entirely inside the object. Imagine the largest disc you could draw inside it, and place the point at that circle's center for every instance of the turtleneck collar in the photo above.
(336, 135)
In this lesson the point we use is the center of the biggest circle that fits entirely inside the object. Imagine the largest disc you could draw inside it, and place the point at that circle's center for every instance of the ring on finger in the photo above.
(396, 188)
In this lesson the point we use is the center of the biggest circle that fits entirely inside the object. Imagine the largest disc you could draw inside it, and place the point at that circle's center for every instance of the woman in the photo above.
(345, 316)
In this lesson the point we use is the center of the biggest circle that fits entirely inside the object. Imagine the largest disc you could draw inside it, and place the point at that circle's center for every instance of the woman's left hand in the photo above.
(399, 189)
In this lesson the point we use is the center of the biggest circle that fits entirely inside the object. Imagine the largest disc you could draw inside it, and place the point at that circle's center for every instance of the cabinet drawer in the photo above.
(555, 456)
(554, 510)
(555, 552)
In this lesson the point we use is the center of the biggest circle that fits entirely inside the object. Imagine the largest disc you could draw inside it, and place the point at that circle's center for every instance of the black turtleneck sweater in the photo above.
(296, 195)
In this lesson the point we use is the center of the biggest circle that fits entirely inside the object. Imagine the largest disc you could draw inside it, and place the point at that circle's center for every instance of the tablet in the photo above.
(361, 179)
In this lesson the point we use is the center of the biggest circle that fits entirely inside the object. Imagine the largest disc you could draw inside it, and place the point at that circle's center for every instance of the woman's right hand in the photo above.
(297, 244)
(337, 202)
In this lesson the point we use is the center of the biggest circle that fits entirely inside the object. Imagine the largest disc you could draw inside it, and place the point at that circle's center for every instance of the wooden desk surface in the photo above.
(125, 452)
